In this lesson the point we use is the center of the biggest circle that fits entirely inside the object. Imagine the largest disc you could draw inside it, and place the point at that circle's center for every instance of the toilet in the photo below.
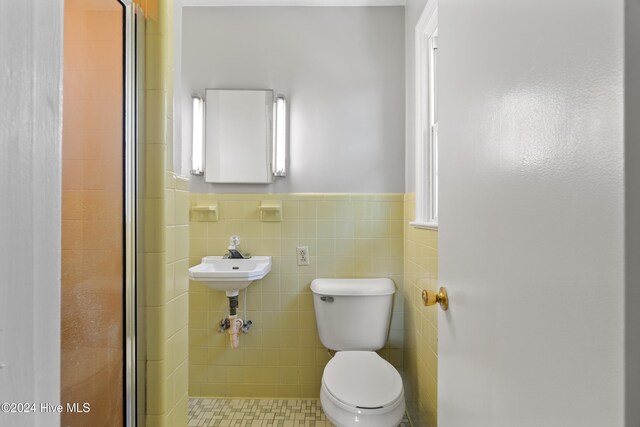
(359, 388)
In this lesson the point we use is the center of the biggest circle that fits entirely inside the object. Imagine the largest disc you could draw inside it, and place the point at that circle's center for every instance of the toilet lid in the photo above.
(362, 379)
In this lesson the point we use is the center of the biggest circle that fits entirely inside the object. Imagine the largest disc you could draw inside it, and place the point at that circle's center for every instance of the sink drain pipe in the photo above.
(234, 322)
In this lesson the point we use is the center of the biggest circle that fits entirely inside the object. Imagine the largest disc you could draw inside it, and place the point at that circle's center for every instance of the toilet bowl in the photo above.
(359, 388)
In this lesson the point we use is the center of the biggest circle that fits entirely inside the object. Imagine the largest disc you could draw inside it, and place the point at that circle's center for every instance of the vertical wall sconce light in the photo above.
(197, 138)
(280, 136)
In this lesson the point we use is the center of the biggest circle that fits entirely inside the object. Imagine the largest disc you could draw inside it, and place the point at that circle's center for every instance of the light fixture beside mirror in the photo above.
(197, 137)
(280, 136)
(232, 131)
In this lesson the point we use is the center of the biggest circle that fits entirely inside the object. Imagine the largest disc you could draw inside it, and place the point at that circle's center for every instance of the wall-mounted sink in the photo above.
(230, 274)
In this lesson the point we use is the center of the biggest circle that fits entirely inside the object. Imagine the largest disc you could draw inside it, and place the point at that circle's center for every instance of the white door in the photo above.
(531, 213)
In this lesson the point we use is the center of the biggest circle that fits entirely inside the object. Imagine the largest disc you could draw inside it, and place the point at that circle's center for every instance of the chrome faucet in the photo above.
(233, 251)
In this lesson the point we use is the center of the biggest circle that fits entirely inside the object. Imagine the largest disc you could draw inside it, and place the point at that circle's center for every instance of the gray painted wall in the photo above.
(342, 70)
(632, 214)
(30, 150)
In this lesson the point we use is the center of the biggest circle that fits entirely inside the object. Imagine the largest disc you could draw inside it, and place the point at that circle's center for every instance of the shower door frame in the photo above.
(133, 79)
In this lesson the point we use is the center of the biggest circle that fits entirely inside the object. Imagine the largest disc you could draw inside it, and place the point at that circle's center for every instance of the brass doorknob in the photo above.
(431, 297)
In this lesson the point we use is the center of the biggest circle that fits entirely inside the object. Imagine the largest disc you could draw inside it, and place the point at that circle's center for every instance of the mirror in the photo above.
(238, 135)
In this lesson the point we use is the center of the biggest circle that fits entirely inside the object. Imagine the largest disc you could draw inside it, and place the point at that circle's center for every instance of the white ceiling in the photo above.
(332, 3)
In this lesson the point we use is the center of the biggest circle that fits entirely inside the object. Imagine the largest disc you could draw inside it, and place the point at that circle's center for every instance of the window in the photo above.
(426, 135)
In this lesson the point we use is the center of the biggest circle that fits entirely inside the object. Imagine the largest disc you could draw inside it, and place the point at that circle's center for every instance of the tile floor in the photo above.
(259, 413)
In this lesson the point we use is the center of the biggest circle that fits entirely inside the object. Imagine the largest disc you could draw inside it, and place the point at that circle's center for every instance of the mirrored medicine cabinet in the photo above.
(242, 136)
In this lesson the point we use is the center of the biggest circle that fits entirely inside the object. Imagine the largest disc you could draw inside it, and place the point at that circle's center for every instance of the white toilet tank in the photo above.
(353, 314)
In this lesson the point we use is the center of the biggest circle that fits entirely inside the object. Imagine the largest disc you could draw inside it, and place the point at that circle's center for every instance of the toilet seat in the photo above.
(362, 379)
(361, 388)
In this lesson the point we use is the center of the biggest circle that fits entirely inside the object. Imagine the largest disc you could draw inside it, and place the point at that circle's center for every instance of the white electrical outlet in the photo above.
(303, 255)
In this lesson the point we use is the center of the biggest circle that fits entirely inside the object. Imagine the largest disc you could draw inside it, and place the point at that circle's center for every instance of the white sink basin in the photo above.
(230, 274)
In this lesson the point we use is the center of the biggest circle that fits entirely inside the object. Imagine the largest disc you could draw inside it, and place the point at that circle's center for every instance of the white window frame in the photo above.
(425, 147)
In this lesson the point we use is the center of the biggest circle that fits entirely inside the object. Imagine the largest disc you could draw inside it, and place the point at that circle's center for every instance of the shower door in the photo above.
(98, 214)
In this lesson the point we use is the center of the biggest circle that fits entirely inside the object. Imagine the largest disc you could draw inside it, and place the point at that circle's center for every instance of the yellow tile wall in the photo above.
(420, 323)
(165, 241)
(176, 292)
(349, 235)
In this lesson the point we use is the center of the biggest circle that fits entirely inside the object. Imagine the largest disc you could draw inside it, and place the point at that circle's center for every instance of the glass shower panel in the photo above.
(92, 213)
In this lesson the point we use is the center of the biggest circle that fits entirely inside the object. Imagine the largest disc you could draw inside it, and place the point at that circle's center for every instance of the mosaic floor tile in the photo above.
(259, 413)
